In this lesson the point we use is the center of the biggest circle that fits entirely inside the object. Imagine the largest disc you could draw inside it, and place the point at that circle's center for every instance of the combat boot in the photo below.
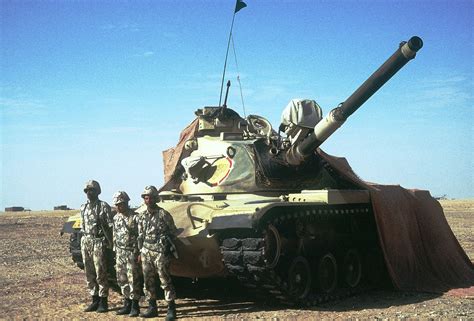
(171, 315)
(135, 310)
(152, 310)
(127, 305)
(103, 306)
(94, 305)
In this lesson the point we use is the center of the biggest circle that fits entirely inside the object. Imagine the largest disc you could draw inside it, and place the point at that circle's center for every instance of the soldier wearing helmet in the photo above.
(127, 255)
(96, 237)
(156, 232)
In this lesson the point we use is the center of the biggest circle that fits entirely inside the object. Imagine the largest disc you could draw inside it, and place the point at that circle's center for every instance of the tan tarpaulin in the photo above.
(172, 156)
(421, 251)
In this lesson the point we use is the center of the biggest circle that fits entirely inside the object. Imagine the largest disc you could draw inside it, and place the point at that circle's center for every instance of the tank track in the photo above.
(75, 249)
(247, 258)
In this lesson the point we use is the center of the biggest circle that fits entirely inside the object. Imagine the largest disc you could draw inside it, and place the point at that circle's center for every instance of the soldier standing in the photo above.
(127, 254)
(156, 232)
(96, 223)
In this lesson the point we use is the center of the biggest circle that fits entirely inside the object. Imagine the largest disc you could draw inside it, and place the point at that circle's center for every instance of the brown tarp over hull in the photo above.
(420, 250)
(174, 155)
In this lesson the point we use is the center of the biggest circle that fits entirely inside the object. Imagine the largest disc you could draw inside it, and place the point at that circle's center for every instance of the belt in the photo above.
(157, 249)
(126, 246)
(92, 236)
(156, 239)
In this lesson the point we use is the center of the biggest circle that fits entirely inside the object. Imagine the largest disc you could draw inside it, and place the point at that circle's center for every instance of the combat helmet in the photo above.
(92, 185)
(151, 191)
(120, 197)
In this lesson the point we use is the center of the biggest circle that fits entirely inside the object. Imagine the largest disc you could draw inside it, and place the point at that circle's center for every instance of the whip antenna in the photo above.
(238, 5)
(238, 77)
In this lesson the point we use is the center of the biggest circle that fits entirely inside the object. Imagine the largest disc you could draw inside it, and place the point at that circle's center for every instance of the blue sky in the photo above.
(97, 89)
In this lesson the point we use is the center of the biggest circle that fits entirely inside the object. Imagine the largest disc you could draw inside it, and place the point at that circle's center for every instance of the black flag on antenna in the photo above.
(239, 5)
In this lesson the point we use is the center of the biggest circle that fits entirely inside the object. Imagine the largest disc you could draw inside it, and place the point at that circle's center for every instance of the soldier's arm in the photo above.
(141, 231)
(136, 223)
(139, 224)
(172, 230)
(107, 216)
(113, 233)
(134, 230)
(83, 208)
(106, 222)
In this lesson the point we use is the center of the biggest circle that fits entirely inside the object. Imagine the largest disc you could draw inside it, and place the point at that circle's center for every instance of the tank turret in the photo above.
(336, 117)
(231, 155)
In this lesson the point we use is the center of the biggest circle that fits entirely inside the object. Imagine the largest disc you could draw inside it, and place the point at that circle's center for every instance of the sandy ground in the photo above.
(39, 280)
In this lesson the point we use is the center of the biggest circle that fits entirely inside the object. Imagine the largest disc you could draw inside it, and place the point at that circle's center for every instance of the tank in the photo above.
(264, 206)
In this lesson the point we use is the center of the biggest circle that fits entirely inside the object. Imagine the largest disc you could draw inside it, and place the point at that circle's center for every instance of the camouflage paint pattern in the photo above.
(126, 254)
(120, 197)
(126, 230)
(157, 263)
(96, 222)
(93, 254)
(92, 185)
(96, 219)
(128, 273)
(154, 227)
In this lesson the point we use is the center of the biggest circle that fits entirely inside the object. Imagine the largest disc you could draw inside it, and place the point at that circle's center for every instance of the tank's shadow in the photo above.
(376, 299)
(227, 297)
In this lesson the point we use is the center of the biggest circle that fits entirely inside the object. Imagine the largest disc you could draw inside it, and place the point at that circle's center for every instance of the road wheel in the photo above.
(299, 278)
(327, 273)
(352, 268)
(272, 248)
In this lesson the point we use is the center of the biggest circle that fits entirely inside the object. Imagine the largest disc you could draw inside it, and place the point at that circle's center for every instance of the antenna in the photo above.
(226, 95)
(238, 77)
(239, 4)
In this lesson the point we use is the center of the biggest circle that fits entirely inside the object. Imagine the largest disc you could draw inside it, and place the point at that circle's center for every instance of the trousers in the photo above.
(128, 273)
(157, 264)
(93, 255)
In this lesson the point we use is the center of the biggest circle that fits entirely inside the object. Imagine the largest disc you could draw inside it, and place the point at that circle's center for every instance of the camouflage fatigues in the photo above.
(156, 230)
(126, 254)
(96, 222)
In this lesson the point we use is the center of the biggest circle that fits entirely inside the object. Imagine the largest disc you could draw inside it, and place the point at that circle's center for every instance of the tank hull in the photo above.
(266, 241)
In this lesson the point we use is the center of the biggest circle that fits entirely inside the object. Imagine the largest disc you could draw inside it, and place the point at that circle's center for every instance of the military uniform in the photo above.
(96, 222)
(127, 267)
(157, 229)
(126, 254)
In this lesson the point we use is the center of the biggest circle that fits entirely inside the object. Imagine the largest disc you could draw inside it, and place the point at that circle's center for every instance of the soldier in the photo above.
(156, 231)
(96, 236)
(127, 254)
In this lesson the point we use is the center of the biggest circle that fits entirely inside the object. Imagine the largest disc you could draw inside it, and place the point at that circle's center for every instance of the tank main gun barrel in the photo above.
(336, 117)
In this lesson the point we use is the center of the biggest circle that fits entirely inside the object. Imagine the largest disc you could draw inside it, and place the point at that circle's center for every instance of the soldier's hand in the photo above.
(139, 259)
